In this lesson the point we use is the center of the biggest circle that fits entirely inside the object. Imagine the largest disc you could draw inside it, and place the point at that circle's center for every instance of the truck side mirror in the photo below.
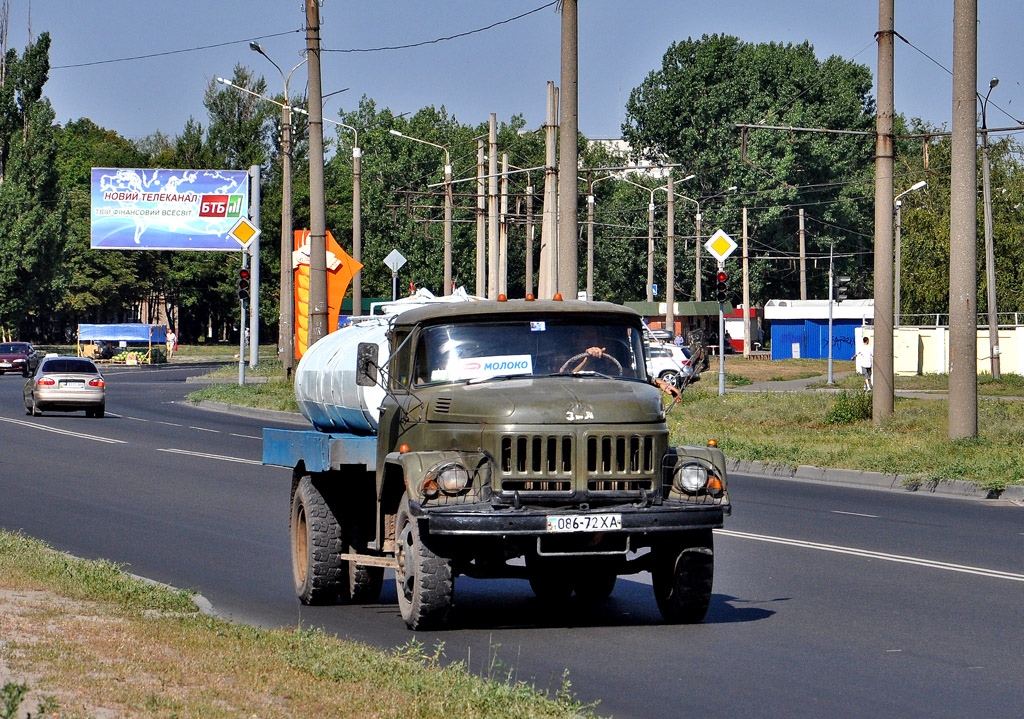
(366, 364)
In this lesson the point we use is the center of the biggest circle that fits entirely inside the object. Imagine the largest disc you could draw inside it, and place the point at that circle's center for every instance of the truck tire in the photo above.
(594, 583)
(321, 575)
(423, 579)
(682, 579)
(550, 581)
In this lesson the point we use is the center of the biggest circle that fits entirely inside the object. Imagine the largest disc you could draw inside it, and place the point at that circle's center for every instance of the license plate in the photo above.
(5, 365)
(584, 522)
(73, 384)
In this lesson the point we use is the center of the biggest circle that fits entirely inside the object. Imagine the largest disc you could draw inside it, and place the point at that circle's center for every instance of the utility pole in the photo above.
(803, 259)
(503, 229)
(548, 285)
(650, 250)
(448, 211)
(590, 236)
(317, 210)
(254, 252)
(568, 158)
(746, 290)
(492, 209)
(357, 225)
(883, 395)
(670, 256)
(963, 227)
(481, 221)
(990, 251)
(529, 238)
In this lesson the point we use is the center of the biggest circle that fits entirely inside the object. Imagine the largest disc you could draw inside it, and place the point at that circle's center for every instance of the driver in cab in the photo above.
(595, 356)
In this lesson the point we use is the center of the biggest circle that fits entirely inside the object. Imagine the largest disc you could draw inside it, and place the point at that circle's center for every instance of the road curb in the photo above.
(873, 480)
(274, 414)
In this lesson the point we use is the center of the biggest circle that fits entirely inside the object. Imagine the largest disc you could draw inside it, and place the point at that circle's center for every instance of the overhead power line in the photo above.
(422, 43)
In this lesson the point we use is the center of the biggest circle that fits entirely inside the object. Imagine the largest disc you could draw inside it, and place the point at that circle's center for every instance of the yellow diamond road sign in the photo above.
(720, 245)
(243, 232)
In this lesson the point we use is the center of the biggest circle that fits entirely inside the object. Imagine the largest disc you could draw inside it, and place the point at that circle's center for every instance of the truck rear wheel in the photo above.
(423, 579)
(321, 575)
(682, 579)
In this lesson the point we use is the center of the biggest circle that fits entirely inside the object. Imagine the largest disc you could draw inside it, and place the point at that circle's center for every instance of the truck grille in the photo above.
(536, 463)
(545, 463)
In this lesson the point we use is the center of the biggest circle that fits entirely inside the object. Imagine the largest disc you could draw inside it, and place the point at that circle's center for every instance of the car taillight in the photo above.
(45, 381)
(96, 382)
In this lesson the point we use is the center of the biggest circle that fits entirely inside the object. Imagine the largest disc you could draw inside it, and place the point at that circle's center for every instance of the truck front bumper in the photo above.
(501, 522)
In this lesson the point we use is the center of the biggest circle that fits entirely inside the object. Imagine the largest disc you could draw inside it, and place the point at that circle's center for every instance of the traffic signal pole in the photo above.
(722, 277)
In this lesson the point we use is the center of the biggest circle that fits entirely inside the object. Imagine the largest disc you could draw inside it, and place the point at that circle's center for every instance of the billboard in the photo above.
(162, 209)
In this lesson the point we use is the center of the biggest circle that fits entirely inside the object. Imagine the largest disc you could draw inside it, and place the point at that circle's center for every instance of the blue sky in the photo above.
(502, 70)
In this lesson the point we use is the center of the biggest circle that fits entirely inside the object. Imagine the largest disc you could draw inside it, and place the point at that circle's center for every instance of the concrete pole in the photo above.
(670, 256)
(568, 157)
(990, 254)
(898, 267)
(317, 206)
(529, 239)
(882, 401)
(697, 247)
(448, 209)
(803, 259)
(590, 243)
(492, 210)
(650, 250)
(357, 227)
(963, 227)
(286, 314)
(548, 284)
(503, 229)
(481, 221)
(746, 290)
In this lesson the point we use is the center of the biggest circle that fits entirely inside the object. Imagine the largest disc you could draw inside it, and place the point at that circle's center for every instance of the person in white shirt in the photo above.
(864, 358)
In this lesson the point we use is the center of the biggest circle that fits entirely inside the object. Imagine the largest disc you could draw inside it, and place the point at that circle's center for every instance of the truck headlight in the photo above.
(691, 478)
(452, 478)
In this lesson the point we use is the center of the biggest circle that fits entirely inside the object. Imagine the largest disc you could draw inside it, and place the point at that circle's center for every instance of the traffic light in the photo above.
(842, 282)
(243, 284)
(720, 289)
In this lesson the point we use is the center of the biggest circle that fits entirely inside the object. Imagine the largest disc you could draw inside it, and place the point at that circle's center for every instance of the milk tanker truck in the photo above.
(480, 439)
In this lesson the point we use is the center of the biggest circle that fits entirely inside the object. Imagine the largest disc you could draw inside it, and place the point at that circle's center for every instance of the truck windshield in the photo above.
(478, 351)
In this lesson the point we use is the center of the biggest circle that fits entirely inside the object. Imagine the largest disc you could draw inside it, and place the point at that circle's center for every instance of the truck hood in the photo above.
(547, 400)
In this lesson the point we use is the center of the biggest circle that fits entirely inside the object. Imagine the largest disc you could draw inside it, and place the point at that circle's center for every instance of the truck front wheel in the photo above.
(682, 579)
(423, 579)
(320, 573)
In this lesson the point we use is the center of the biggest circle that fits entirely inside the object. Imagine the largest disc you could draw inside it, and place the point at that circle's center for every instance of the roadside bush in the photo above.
(849, 407)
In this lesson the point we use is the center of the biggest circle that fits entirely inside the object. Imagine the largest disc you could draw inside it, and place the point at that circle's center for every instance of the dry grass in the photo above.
(777, 370)
(92, 642)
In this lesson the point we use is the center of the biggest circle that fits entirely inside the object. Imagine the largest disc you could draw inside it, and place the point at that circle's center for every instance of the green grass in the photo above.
(796, 428)
(105, 643)
(276, 394)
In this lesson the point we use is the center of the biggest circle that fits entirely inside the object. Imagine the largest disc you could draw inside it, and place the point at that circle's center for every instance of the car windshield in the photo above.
(13, 349)
(73, 366)
(479, 351)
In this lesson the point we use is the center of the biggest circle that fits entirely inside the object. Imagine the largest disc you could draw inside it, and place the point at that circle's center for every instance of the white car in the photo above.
(672, 363)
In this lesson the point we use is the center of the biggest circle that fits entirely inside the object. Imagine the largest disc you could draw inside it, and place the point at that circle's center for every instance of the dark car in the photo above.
(18, 357)
(66, 384)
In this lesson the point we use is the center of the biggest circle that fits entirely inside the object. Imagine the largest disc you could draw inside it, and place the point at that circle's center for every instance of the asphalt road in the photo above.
(829, 601)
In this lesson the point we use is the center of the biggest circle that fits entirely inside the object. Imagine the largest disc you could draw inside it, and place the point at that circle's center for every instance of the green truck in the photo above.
(494, 439)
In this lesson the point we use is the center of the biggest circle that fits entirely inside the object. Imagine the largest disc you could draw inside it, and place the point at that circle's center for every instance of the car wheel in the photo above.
(423, 579)
(36, 412)
(671, 377)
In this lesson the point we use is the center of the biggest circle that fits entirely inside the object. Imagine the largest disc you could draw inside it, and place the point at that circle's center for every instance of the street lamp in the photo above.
(990, 252)
(650, 236)
(696, 253)
(447, 206)
(286, 319)
(899, 228)
(590, 234)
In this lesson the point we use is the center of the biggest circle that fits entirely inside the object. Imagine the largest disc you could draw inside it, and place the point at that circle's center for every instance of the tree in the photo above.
(685, 112)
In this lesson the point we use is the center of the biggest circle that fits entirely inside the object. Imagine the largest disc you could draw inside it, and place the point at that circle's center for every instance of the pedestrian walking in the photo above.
(865, 359)
(172, 343)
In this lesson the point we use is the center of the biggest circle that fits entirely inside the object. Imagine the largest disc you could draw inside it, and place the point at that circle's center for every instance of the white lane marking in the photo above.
(211, 456)
(205, 429)
(137, 419)
(245, 436)
(170, 424)
(855, 514)
(981, 571)
(68, 433)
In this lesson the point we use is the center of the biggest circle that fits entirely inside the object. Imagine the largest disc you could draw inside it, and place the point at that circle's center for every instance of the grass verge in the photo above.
(828, 430)
(84, 639)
